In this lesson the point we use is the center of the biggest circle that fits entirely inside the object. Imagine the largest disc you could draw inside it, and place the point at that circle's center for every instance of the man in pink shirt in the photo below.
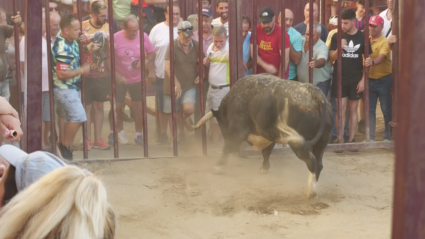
(127, 65)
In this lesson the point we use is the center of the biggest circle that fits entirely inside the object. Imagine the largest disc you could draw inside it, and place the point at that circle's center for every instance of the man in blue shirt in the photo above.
(247, 61)
(296, 43)
(301, 27)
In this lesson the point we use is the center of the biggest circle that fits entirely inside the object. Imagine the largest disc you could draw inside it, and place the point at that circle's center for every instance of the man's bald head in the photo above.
(55, 20)
(289, 19)
(307, 11)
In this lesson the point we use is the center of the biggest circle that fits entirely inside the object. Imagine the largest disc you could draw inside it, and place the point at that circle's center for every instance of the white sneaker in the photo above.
(122, 138)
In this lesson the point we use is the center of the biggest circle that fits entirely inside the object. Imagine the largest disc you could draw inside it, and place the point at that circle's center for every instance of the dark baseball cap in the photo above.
(206, 11)
(266, 15)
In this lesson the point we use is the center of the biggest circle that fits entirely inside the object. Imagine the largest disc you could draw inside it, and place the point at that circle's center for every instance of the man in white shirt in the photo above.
(387, 15)
(160, 39)
(217, 59)
(223, 12)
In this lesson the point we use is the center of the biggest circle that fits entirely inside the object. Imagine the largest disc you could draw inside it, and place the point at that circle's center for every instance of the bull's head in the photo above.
(206, 118)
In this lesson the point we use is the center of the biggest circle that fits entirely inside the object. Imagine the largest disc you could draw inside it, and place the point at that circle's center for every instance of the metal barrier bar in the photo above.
(241, 69)
(18, 71)
(33, 51)
(201, 75)
(49, 66)
(282, 40)
(310, 42)
(143, 81)
(409, 195)
(83, 84)
(172, 79)
(366, 72)
(339, 76)
(113, 86)
(233, 53)
(323, 12)
(111, 160)
(396, 63)
(254, 36)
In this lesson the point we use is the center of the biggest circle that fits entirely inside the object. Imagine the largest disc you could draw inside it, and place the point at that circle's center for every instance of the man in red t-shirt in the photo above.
(269, 45)
(150, 19)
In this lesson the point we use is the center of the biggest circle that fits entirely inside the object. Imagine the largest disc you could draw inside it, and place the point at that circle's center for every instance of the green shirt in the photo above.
(67, 52)
(121, 8)
(320, 50)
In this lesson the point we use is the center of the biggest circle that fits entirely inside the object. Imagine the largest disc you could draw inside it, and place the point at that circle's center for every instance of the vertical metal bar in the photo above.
(254, 36)
(113, 88)
(282, 39)
(33, 51)
(233, 56)
(310, 42)
(366, 71)
(409, 196)
(172, 79)
(83, 85)
(395, 62)
(49, 66)
(323, 12)
(240, 40)
(201, 75)
(339, 76)
(18, 70)
(143, 81)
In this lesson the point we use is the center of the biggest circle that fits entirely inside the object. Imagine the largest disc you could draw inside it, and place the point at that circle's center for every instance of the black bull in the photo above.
(265, 110)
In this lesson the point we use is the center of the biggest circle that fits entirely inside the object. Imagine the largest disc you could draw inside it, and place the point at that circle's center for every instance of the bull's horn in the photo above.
(204, 119)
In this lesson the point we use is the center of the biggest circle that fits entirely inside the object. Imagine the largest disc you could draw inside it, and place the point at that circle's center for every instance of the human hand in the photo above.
(206, 61)
(392, 39)
(10, 128)
(17, 19)
(196, 80)
(82, 38)
(178, 90)
(368, 62)
(85, 69)
(7, 109)
(270, 69)
(343, 43)
(312, 63)
(360, 86)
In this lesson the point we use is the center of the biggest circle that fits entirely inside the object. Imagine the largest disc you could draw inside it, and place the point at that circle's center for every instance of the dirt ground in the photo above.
(182, 198)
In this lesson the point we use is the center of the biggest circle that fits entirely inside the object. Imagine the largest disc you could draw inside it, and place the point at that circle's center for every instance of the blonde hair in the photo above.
(64, 204)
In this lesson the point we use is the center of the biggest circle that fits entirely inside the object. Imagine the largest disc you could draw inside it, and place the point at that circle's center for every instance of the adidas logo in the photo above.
(350, 49)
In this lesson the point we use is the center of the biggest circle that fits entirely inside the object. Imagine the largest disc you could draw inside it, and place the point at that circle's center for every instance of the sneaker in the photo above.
(89, 144)
(65, 151)
(139, 140)
(111, 139)
(100, 144)
(122, 138)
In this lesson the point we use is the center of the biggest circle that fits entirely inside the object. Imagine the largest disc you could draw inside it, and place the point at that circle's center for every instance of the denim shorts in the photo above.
(159, 91)
(188, 96)
(70, 101)
(45, 106)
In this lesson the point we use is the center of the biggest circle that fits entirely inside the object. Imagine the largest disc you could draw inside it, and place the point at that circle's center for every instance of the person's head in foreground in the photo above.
(42, 197)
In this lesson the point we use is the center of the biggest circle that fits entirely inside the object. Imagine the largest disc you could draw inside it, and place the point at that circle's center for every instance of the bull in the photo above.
(265, 110)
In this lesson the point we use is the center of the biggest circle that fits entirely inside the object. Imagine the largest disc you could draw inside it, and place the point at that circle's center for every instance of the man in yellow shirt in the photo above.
(380, 80)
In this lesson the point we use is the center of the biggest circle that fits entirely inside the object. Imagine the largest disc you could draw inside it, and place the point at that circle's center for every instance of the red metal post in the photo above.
(395, 61)
(143, 81)
(172, 79)
(49, 65)
(366, 72)
(201, 76)
(254, 36)
(233, 53)
(83, 85)
(310, 42)
(409, 193)
(240, 40)
(18, 71)
(339, 76)
(113, 91)
(282, 40)
(323, 12)
(33, 51)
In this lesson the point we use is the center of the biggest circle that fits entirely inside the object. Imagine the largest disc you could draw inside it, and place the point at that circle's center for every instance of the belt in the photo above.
(219, 87)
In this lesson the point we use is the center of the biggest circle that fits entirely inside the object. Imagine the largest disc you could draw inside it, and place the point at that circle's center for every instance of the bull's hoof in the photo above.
(219, 170)
(312, 196)
(264, 171)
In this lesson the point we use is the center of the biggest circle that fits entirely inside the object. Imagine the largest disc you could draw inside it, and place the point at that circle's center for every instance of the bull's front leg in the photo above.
(229, 147)
(266, 156)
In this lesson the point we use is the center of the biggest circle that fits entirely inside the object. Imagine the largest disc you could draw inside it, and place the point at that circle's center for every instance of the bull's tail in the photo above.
(321, 127)
(288, 135)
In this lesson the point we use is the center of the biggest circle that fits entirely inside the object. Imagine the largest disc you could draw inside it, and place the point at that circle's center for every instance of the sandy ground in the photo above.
(182, 197)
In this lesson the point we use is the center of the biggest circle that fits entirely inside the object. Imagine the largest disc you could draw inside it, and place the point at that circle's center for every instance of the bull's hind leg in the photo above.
(266, 155)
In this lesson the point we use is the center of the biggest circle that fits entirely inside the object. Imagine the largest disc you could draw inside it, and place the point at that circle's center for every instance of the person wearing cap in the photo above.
(193, 19)
(23, 169)
(380, 76)
(186, 53)
(296, 43)
(302, 26)
(269, 45)
(223, 12)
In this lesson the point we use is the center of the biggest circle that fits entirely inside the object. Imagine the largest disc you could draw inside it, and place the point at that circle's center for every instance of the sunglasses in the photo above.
(53, 8)
(186, 29)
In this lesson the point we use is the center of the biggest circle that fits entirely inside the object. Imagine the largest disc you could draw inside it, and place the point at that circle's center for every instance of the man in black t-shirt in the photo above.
(352, 68)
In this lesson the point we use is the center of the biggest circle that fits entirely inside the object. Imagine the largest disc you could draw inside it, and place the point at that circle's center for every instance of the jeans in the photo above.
(380, 89)
(4, 89)
(324, 86)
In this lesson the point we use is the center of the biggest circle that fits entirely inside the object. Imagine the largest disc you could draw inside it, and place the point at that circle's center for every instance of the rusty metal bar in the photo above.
(282, 40)
(83, 84)
(113, 87)
(143, 81)
(112, 160)
(254, 36)
(233, 53)
(323, 12)
(18, 70)
(409, 194)
(339, 76)
(329, 148)
(240, 40)
(366, 71)
(395, 62)
(49, 66)
(201, 75)
(310, 42)
(172, 79)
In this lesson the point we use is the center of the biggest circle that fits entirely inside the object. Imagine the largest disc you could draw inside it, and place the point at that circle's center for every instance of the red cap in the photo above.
(376, 21)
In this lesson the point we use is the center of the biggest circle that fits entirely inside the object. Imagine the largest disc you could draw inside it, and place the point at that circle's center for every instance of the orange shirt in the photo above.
(136, 2)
